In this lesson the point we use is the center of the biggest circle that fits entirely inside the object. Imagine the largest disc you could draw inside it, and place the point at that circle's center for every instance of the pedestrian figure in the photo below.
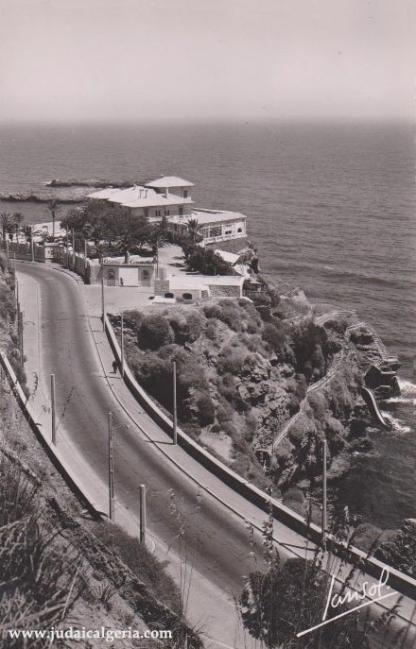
(115, 366)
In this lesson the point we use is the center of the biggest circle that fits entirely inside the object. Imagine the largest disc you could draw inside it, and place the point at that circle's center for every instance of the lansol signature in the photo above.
(367, 593)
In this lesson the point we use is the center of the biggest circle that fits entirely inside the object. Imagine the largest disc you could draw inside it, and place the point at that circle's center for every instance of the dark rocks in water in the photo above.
(93, 183)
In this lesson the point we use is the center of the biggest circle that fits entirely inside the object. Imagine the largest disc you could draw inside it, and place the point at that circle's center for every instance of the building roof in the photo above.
(205, 217)
(138, 196)
(169, 181)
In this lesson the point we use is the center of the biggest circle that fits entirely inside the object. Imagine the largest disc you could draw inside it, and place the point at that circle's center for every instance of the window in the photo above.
(187, 296)
(239, 229)
(185, 193)
(181, 211)
(228, 232)
(169, 295)
(215, 231)
(158, 213)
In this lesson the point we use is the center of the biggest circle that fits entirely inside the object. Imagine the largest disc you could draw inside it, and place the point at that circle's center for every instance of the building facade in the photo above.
(170, 198)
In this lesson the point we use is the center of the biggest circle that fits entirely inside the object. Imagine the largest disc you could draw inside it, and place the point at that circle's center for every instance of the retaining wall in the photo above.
(54, 455)
(400, 582)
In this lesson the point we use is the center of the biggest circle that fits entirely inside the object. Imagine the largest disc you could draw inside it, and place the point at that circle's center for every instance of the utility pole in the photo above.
(53, 408)
(175, 412)
(143, 513)
(324, 496)
(102, 294)
(73, 249)
(32, 249)
(110, 468)
(67, 246)
(122, 344)
(85, 254)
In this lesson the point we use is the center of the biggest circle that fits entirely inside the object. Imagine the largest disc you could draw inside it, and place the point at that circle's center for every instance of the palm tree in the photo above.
(194, 229)
(5, 219)
(52, 207)
(18, 219)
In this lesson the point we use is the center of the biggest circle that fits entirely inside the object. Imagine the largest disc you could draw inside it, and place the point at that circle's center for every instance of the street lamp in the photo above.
(175, 413)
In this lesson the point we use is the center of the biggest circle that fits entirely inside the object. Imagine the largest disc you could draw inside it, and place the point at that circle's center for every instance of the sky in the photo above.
(207, 59)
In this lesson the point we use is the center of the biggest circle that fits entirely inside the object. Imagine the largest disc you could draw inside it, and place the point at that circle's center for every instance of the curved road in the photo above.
(214, 539)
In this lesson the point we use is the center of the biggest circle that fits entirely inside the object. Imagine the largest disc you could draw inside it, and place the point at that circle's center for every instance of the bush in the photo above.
(213, 311)
(273, 336)
(231, 360)
(206, 261)
(154, 332)
(206, 409)
(187, 327)
(211, 331)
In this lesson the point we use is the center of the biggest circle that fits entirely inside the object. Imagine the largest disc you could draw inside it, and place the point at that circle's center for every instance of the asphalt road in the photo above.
(209, 536)
(213, 540)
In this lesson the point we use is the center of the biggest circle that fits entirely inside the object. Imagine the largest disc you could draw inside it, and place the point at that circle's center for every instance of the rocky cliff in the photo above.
(261, 381)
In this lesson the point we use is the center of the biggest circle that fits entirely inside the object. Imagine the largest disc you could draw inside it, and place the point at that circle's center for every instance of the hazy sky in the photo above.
(248, 59)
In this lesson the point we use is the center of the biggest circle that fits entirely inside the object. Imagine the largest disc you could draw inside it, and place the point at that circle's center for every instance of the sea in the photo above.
(331, 208)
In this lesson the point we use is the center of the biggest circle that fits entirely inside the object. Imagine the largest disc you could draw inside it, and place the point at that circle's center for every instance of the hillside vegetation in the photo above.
(243, 370)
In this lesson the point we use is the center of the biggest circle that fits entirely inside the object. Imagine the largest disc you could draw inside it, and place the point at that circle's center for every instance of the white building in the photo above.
(170, 197)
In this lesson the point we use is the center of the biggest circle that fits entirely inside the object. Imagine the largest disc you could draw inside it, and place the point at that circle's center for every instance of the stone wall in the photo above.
(233, 245)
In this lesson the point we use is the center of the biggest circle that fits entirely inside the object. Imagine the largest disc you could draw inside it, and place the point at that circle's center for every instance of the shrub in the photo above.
(155, 374)
(186, 327)
(206, 261)
(211, 331)
(310, 344)
(273, 336)
(154, 332)
(231, 360)
(133, 320)
(213, 311)
(206, 410)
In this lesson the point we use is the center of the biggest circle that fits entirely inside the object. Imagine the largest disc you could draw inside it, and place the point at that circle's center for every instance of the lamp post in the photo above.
(122, 344)
(32, 249)
(110, 467)
(73, 249)
(324, 496)
(143, 513)
(102, 294)
(53, 408)
(175, 413)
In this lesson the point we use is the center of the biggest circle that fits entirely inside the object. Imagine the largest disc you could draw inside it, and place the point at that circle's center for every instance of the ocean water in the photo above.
(331, 207)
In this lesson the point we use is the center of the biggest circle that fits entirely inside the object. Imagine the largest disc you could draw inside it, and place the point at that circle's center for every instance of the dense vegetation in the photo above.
(242, 369)
(282, 599)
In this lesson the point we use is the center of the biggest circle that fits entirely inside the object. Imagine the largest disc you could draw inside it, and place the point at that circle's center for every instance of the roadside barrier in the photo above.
(52, 451)
(402, 583)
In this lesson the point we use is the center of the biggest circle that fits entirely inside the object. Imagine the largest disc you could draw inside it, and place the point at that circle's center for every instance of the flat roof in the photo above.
(169, 181)
(204, 217)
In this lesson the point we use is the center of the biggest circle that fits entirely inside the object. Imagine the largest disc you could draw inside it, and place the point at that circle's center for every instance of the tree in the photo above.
(18, 219)
(6, 222)
(125, 230)
(52, 207)
(194, 230)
